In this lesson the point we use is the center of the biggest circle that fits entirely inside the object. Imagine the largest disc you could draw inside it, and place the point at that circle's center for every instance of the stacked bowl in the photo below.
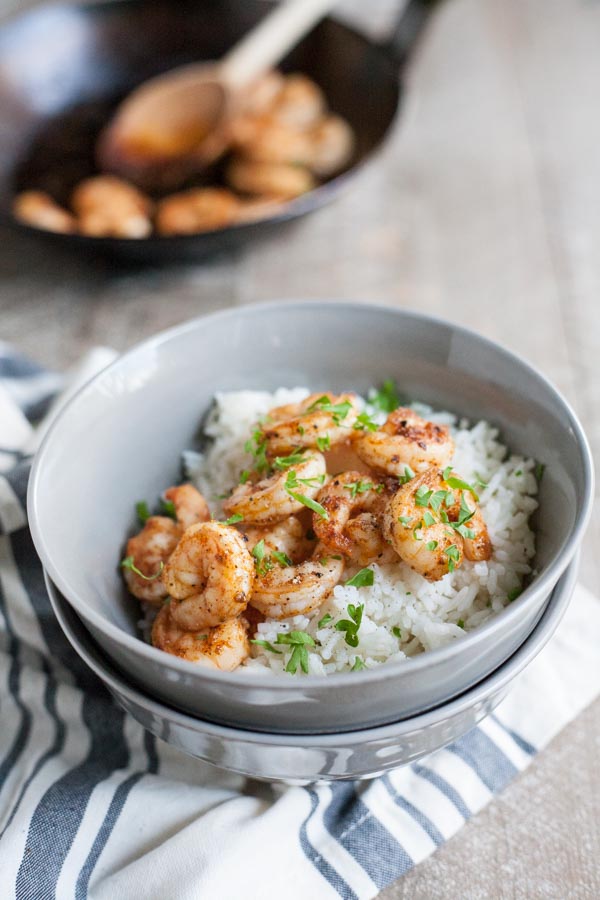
(120, 438)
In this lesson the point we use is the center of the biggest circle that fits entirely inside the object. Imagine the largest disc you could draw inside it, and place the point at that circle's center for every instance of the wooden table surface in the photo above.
(485, 208)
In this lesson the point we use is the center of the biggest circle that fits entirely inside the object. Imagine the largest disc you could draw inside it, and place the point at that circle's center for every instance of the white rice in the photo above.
(428, 615)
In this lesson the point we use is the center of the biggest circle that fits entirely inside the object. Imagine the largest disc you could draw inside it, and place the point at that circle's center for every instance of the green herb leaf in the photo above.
(257, 446)
(396, 632)
(516, 592)
(284, 462)
(436, 499)
(461, 623)
(324, 443)
(431, 545)
(282, 558)
(301, 430)
(408, 475)
(364, 422)
(428, 518)
(422, 496)
(518, 473)
(338, 411)
(236, 517)
(358, 664)
(324, 621)
(446, 472)
(292, 481)
(386, 398)
(168, 508)
(539, 471)
(351, 626)
(461, 485)
(143, 513)
(359, 487)
(405, 520)
(453, 554)
(244, 476)
(128, 563)
(267, 646)
(364, 578)
(262, 562)
(295, 637)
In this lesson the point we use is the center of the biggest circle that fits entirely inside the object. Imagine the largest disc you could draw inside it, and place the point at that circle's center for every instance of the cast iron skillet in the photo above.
(63, 68)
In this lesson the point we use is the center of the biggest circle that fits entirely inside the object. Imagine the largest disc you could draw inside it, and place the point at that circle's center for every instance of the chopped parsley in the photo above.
(518, 473)
(244, 476)
(408, 475)
(324, 443)
(168, 508)
(324, 621)
(299, 641)
(431, 545)
(405, 520)
(422, 496)
(358, 664)
(262, 562)
(461, 623)
(460, 485)
(267, 645)
(282, 558)
(257, 447)
(364, 578)
(364, 422)
(143, 513)
(284, 462)
(453, 554)
(128, 563)
(539, 471)
(350, 626)
(361, 487)
(438, 497)
(516, 592)
(300, 430)
(236, 517)
(338, 411)
(292, 481)
(396, 632)
(386, 398)
(428, 518)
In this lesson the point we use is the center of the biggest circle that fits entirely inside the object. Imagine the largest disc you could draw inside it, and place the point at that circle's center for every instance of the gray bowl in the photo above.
(303, 759)
(120, 438)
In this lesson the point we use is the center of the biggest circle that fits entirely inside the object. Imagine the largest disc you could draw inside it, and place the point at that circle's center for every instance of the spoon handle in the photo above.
(270, 40)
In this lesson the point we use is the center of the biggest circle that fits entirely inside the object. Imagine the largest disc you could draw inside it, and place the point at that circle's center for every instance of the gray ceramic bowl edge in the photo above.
(356, 754)
(269, 693)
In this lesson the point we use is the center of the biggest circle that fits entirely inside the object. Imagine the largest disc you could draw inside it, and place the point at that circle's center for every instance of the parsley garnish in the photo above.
(358, 664)
(396, 632)
(282, 558)
(143, 513)
(437, 498)
(453, 554)
(364, 578)
(405, 520)
(267, 646)
(324, 621)
(516, 592)
(293, 481)
(428, 518)
(257, 446)
(364, 422)
(361, 487)
(262, 562)
(168, 508)
(324, 443)
(338, 411)
(300, 430)
(431, 545)
(244, 476)
(284, 462)
(350, 626)
(539, 471)
(300, 641)
(422, 496)
(236, 517)
(518, 473)
(386, 399)
(461, 485)
(408, 475)
(461, 623)
(128, 563)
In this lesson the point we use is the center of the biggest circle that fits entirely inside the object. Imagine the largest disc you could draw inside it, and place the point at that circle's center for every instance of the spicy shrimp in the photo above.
(209, 576)
(149, 551)
(423, 521)
(284, 591)
(189, 504)
(405, 439)
(287, 537)
(223, 647)
(350, 500)
(319, 419)
(272, 499)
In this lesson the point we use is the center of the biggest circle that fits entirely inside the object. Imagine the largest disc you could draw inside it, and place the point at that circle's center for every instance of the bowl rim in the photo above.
(510, 613)
(552, 615)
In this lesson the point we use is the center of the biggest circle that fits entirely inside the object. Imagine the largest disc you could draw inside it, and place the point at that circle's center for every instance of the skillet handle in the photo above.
(408, 29)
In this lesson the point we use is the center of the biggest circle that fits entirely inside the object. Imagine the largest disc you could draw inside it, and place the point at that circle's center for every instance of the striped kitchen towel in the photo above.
(93, 806)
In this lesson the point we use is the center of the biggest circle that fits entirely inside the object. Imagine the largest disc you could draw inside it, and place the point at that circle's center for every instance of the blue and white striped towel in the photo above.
(91, 805)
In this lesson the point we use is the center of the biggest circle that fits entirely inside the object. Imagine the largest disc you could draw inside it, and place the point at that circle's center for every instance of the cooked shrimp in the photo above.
(270, 500)
(344, 497)
(319, 417)
(285, 591)
(190, 505)
(209, 576)
(332, 142)
(406, 439)
(367, 542)
(261, 95)
(277, 181)
(425, 533)
(288, 537)
(196, 210)
(151, 549)
(39, 209)
(265, 140)
(110, 207)
(299, 103)
(224, 647)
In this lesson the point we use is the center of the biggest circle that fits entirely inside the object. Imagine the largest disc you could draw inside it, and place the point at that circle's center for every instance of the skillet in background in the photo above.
(64, 68)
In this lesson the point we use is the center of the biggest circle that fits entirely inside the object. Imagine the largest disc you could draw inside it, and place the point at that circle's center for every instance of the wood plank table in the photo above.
(485, 208)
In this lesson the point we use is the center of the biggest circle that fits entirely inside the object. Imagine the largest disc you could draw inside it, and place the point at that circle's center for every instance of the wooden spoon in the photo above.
(175, 124)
